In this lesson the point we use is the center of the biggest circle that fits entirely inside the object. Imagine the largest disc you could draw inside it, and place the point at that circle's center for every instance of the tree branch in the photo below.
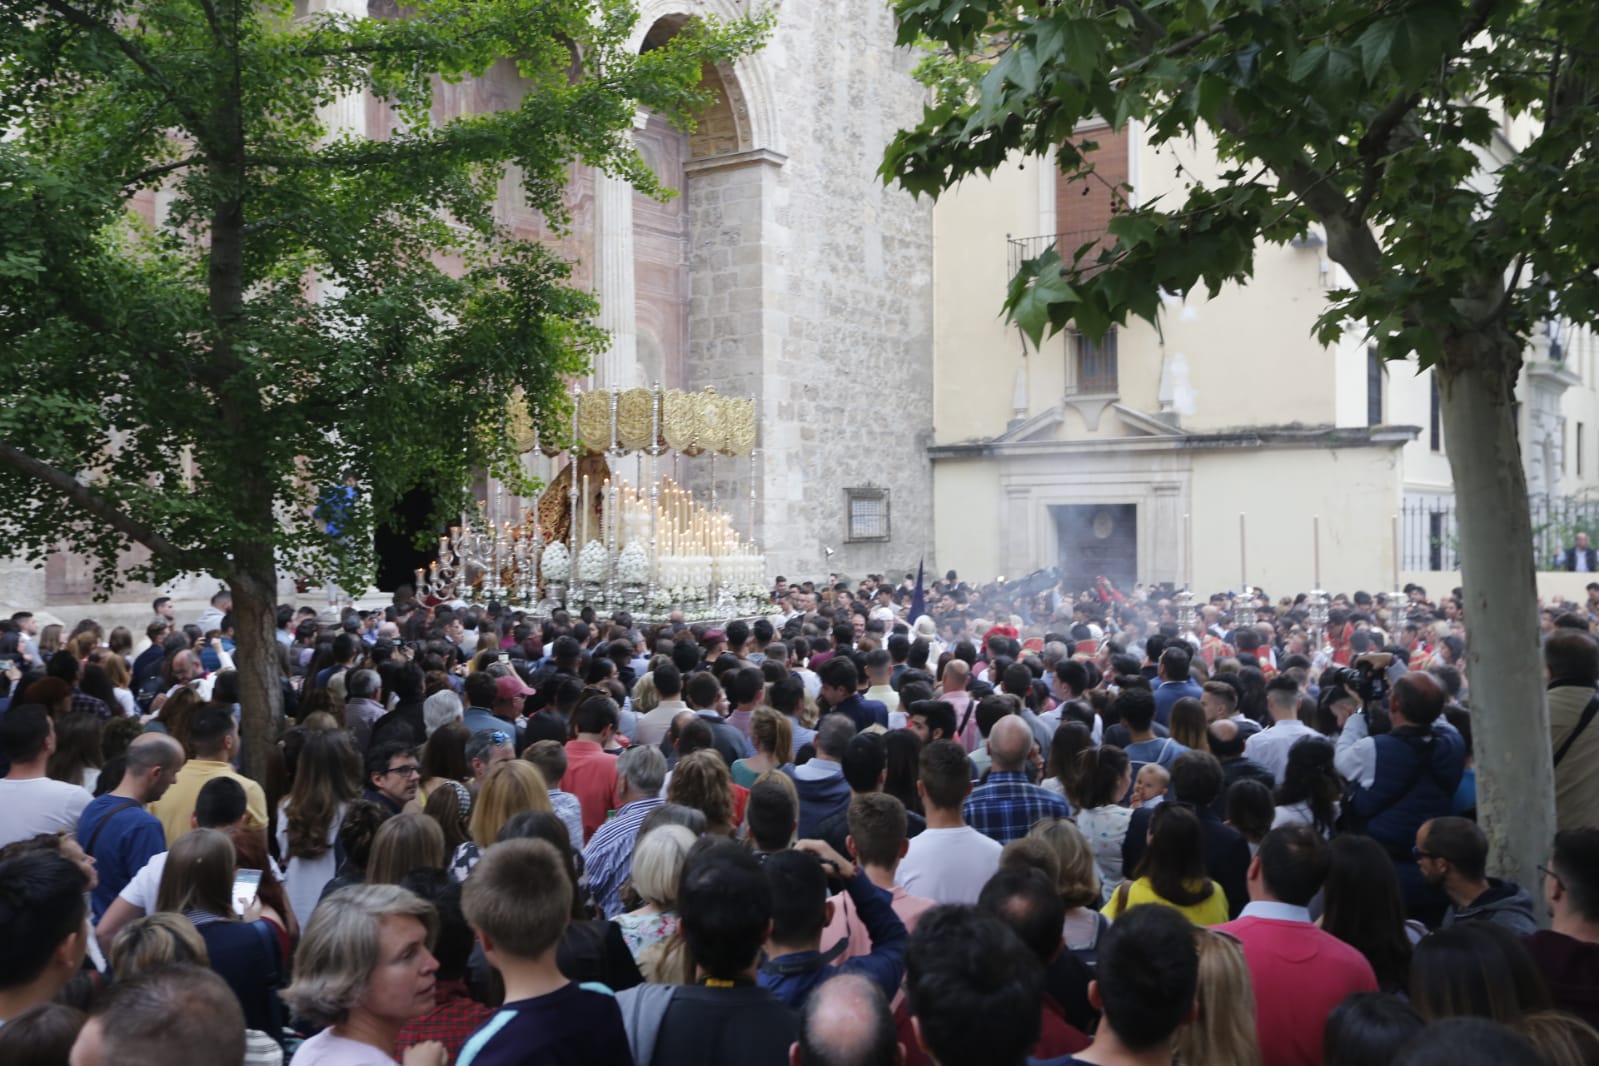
(1151, 30)
(159, 171)
(135, 55)
(1503, 305)
(99, 507)
(1374, 146)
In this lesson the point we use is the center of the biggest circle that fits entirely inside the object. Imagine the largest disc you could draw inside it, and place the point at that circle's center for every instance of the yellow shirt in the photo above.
(1212, 910)
(176, 807)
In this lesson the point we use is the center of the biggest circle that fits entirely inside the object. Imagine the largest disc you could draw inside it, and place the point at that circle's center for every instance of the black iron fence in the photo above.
(1431, 538)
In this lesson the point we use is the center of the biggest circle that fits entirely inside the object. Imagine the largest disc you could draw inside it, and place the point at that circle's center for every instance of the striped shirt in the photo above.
(609, 855)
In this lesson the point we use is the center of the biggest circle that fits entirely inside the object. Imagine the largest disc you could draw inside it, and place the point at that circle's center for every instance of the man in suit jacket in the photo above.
(1196, 778)
(1580, 558)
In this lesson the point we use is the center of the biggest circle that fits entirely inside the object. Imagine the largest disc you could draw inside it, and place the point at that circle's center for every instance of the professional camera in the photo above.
(1366, 677)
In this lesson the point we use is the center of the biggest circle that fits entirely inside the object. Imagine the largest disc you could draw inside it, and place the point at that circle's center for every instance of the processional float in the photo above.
(591, 538)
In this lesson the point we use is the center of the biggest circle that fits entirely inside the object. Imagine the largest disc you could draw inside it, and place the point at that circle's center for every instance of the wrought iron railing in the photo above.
(1430, 538)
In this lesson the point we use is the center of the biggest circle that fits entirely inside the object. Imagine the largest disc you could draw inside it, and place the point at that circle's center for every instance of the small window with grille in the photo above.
(867, 514)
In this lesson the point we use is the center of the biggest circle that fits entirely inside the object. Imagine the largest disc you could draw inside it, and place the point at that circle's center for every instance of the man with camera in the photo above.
(1402, 778)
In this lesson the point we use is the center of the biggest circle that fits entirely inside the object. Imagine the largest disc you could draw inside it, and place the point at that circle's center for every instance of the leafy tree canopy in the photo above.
(307, 302)
(1382, 122)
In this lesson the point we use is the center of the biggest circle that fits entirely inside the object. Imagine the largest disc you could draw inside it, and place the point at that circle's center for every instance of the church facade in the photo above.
(785, 271)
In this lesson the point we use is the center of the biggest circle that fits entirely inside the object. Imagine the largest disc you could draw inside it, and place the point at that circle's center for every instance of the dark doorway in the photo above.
(396, 540)
(1097, 539)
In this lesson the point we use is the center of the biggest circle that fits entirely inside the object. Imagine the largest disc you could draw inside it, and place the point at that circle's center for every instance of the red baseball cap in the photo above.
(509, 687)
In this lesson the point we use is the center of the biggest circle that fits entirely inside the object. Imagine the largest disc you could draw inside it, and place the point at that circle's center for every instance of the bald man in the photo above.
(956, 676)
(1006, 807)
(116, 830)
(846, 1022)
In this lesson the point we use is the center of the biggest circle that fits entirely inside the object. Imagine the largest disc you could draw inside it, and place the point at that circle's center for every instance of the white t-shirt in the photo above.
(325, 1049)
(948, 865)
(143, 887)
(38, 805)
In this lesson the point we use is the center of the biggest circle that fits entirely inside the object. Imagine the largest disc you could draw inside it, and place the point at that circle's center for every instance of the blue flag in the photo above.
(918, 598)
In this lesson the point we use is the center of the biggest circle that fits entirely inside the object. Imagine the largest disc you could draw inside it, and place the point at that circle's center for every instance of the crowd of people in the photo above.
(883, 824)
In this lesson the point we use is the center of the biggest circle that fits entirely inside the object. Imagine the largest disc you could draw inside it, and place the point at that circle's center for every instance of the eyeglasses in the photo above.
(408, 770)
(1419, 854)
(1544, 871)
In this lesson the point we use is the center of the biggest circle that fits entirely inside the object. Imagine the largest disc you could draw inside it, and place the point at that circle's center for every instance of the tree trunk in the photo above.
(1510, 719)
(256, 657)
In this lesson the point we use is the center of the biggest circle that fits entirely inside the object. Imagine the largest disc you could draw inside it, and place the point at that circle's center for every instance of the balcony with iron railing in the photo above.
(1091, 242)
(1091, 369)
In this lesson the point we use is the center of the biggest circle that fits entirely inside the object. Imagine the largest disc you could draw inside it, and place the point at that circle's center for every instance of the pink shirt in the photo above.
(591, 777)
(846, 924)
(1299, 974)
(969, 738)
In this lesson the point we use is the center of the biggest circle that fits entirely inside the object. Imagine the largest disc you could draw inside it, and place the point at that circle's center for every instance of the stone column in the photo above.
(613, 255)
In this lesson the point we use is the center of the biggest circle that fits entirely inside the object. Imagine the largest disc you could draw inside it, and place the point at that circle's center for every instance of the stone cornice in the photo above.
(735, 160)
(1230, 440)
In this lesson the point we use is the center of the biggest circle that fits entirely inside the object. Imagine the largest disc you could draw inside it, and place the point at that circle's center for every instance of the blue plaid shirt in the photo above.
(608, 859)
(1006, 807)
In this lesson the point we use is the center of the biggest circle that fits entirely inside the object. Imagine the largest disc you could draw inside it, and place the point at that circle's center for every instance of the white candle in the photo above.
(1188, 551)
(1315, 527)
(1396, 553)
(1243, 564)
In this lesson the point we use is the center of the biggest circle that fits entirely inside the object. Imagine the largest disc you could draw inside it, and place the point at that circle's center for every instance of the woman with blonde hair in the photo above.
(1077, 881)
(1223, 1027)
(247, 953)
(327, 778)
(509, 789)
(657, 866)
(646, 697)
(82, 643)
(165, 939)
(363, 970)
(773, 739)
(116, 672)
(404, 843)
(701, 781)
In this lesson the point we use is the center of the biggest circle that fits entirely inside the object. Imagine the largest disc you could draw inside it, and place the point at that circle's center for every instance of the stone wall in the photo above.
(808, 283)
(811, 289)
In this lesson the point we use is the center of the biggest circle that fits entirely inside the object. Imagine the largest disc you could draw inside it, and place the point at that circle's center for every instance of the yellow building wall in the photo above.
(1354, 491)
(976, 355)
(993, 519)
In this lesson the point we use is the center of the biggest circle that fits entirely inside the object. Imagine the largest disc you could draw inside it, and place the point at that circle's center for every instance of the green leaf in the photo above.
(1035, 294)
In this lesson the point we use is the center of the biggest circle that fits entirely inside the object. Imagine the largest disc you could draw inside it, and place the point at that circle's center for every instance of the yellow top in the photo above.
(1212, 910)
(176, 807)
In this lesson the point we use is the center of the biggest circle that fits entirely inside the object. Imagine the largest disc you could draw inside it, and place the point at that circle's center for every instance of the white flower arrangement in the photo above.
(591, 563)
(557, 562)
(633, 565)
